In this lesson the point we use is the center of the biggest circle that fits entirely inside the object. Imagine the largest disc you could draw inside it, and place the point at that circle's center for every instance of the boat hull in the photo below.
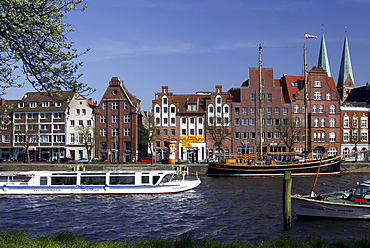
(306, 207)
(331, 167)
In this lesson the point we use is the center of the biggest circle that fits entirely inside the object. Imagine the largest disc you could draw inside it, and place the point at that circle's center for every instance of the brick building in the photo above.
(118, 118)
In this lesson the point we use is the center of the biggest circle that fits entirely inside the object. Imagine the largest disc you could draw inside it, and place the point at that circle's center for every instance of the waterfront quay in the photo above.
(201, 169)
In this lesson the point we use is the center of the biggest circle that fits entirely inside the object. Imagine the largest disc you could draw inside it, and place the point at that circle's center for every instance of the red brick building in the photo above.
(118, 118)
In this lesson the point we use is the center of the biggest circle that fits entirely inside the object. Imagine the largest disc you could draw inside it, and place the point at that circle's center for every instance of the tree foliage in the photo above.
(34, 46)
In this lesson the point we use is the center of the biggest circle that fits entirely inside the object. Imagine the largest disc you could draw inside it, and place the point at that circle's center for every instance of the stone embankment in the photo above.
(192, 168)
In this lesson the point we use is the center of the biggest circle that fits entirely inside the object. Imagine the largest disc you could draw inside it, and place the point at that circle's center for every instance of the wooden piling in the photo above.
(287, 192)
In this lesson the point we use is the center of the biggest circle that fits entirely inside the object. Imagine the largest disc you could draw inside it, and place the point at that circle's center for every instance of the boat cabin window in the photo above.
(362, 192)
(93, 180)
(144, 179)
(63, 180)
(43, 180)
(14, 178)
(155, 179)
(167, 178)
(125, 180)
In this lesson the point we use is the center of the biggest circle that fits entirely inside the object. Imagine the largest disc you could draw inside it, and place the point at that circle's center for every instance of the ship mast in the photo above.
(305, 100)
(260, 100)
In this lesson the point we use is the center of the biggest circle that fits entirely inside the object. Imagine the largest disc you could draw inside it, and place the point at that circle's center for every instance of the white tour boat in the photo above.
(94, 182)
(345, 205)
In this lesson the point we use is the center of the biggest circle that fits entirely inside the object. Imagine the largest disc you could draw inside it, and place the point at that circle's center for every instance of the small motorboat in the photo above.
(342, 204)
(95, 182)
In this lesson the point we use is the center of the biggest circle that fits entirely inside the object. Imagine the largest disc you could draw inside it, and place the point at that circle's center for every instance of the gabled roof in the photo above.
(290, 88)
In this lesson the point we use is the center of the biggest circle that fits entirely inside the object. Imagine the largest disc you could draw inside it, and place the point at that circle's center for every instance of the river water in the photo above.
(225, 209)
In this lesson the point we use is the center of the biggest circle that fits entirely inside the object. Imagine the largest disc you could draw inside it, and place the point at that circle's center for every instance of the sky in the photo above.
(194, 45)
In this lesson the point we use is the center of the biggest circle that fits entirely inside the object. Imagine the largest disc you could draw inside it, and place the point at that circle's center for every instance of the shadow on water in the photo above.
(226, 209)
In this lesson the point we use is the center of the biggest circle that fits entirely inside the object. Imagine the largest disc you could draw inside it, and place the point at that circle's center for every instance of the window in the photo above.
(183, 131)
(296, 108)
(21, 105)
(218, 100)
(317, 84)
(4, 127)
(58, 104)
(83, 111)
(245, 121)
(364, 137)
(269, 97)
(165, 110)
(103, 119)
(127, 132)
(183, 120)
(323, 122)
(332, 109)
(165, 121)
(103, 132)
(114, 105)
(236, 111)
(319, 137)
(192, 131)
(72, 138)
(200, 132)
(328, 96)
(317, 96)
(314, 108)
(31, 116)
(33, 104)
(104, 105)
(269, 111)
(253, 111)
(173, 120)
(56, 126)
(316, 122)
(237, 121)
(173, 132)
(237, 135)
(165, 100)
(88, 122)
(192, 120)
(45, 104)
(57, 115)
(165, 132)
(80, 122)
(115, 118)
(127, 118)
(253, 97)
(346, 123)
(355, 122)
(125, 105)
(285, 111)
(277, 111)
(363, 123)
(72, 123)
(210, 109)
(200, 120)
(192, 107)
(321, 108)
(43, 116)
(173, 110)
(332, 122)
(245, 111)
(114, 131)
(157, 110)
(78, 111)
(218, 109)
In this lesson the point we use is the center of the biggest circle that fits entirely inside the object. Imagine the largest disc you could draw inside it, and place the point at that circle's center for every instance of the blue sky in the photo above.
(193, 45)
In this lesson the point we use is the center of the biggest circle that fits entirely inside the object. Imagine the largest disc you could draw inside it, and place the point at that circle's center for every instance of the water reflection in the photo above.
(227, 209)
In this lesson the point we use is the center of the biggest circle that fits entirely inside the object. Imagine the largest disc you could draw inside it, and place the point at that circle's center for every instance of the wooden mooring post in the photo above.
(287, 203)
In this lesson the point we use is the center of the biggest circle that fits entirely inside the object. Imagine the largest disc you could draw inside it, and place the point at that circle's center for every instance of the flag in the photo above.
(308, 36)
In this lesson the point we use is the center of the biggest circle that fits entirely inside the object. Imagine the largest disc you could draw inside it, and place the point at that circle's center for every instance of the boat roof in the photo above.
(33, 173)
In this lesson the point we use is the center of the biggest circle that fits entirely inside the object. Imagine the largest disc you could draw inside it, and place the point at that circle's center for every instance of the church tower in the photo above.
(346, 81)
(323, 57)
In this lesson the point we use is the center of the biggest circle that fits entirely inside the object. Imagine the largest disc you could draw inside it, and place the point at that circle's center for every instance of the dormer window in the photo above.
(294, 84)
(317, 84)
(33, 104)
(21, 105)
(58, 104)
(192, 107)
(45, 104)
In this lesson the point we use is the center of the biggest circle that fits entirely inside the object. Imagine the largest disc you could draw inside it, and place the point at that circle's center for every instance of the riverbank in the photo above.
(19, 239)
(201, 169)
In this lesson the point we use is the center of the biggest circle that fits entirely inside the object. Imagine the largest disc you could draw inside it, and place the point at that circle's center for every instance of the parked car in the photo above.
(146, 160)
(101, 161)
(82, 160)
